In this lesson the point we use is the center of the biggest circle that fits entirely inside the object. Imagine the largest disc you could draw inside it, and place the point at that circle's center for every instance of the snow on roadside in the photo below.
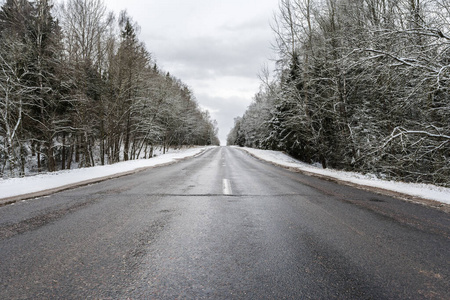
(25, 185)
(426, 191)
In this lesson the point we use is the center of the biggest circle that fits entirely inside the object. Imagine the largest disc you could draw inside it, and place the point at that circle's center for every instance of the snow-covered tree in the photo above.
(363, 85)
(81, 89)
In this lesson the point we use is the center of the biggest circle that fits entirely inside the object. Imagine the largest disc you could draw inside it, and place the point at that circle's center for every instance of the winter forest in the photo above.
(78, 88)
(360, 85)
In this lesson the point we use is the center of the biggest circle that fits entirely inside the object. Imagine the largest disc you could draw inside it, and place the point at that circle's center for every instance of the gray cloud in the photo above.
(215, 56)
(216, 47)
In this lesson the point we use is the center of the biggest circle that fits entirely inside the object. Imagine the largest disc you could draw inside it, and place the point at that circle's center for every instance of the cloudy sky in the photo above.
(216, 47)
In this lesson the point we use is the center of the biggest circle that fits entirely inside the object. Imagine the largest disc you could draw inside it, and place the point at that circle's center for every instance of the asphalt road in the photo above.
(223, 225)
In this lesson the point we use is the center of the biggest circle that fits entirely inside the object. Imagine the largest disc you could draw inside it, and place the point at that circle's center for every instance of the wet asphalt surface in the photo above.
(176, 232)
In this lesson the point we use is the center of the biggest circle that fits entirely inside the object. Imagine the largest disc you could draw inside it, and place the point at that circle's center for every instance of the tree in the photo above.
(30, 61)
(86, 25)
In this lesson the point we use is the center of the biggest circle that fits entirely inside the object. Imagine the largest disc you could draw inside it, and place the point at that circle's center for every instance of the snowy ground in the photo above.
(32, 184)
(426, 191)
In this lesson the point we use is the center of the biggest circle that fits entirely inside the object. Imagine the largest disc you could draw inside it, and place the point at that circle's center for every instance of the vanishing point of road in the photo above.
(222, 225)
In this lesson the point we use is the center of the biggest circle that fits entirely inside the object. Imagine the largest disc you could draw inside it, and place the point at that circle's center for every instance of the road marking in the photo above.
(226, 187)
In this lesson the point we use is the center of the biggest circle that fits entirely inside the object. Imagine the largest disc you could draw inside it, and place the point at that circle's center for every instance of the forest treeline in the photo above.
(78, 87)
(360, 85)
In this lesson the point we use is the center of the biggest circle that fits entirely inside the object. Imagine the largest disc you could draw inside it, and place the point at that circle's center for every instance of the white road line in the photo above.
(226, 187)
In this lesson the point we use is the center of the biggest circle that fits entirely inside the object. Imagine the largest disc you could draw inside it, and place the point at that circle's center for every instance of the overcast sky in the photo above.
(216, 47)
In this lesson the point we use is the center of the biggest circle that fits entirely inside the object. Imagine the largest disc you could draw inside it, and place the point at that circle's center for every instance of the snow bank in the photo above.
(21, 186)
(426, 191)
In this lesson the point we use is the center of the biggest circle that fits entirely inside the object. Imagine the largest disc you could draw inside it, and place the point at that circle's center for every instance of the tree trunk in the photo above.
(127, 139)
(39, 158)
(102, 143)
(63, 152)
(69, 162)
(50, 157)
